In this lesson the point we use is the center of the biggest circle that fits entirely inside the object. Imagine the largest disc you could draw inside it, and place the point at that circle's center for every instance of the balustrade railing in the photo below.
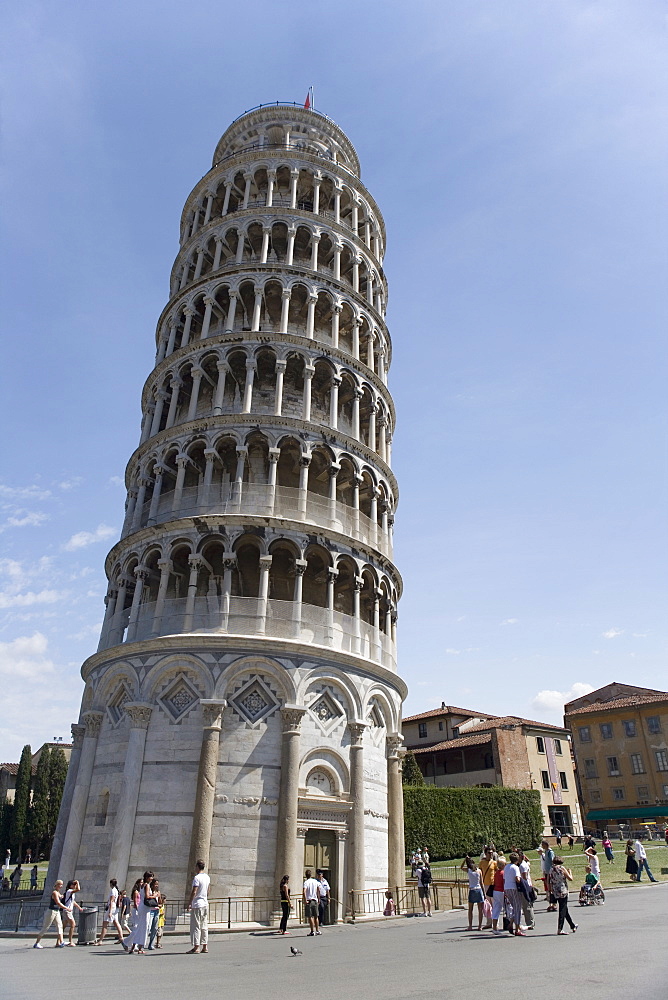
(252, 616)
(267, 501)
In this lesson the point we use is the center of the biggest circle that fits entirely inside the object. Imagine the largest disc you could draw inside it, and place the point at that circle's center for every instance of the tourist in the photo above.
(311, 894)
(546, 862)
(199, 911)
(557, 836)
(124, 908)
(8, 856)
(69, 902)
(16, 877)
(607, 847)
(498, 893)
(424, 880)
(511, 890)
(641, 858)
(135, 903)
(487, 870)
(559, 879)
(286, 904)
(476, 894)
(593, 861)
(33, 878)
(153, 914)
(323, 903)
(589, 841)
(53, 915)
(571, 841)
(631, 863)
(425, 855)
(527, 892)
(144, 906)
(390, 909)
(161, 920)
(111, 914)
(666, 836)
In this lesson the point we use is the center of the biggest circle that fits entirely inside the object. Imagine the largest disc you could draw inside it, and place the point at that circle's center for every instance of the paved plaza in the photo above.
(618, 952)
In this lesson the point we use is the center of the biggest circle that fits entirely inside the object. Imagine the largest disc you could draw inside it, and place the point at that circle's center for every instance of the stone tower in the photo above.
(244, 705)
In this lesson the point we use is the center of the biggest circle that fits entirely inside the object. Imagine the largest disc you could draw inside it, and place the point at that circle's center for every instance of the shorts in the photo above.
(423, 891)
(312, 908)
(476, 896)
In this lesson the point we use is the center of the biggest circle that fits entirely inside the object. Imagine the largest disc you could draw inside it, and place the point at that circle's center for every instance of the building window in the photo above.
(653, 724)
(618, 793)
(564, 780)
(595, 795)
(661, 760)
(545, 778)
(613, 766)
(422, 730)
(440, 727)
(665, 791)
(629, 727)
(557, 747)
(540, 744)
(585, 734)
(590, 768)
(643, 791)
(637, 765)
(606, 730)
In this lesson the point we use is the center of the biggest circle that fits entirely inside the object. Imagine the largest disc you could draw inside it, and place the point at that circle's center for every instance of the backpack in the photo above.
(425, 878)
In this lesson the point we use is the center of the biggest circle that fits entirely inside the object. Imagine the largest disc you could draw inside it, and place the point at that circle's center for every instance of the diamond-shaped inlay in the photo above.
(179, 697)
(375, 717)
(254, 702)
(326, 710)
(115, 707)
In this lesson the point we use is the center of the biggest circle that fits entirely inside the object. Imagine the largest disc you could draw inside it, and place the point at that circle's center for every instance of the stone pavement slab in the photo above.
(618, 953)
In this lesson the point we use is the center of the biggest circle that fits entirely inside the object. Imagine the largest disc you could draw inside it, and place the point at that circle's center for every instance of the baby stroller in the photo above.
(591, 895)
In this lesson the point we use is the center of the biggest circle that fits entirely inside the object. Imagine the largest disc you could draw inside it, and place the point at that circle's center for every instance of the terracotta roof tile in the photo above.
(478, 739)
(626, 702)
(448, 710)
(510, 720)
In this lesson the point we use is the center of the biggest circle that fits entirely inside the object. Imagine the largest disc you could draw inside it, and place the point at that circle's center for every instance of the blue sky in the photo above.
(517, 152)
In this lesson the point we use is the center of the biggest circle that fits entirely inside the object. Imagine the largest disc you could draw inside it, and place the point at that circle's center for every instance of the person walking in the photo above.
(511, 889)
(33, 878)
(16, 877)
(311, 894)
(557, 836)
(135, 903)
(641, 858)
(487, 868)
(476, 894)
(560, 876)
(546, 862)
(527, 892)
(607, 847)
(323, 904)
(146, 903)
(124, 908)
(69, 902)
(571, 841)
(199, 911)
(424, 880)
(498, 897)
(286, 904)
(53, 915)
(111, 914)
(631, 863)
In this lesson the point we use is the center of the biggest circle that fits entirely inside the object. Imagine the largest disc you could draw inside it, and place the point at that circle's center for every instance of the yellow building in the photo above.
(619, 738)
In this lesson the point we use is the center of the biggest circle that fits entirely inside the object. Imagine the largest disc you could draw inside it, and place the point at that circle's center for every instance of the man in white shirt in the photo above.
(525, 900)
(641, 858)
(511, 881)
(324, 896)
(311, 900)
(198, 905)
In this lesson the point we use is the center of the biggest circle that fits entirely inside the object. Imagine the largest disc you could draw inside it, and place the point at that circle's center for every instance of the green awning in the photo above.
(645, 813)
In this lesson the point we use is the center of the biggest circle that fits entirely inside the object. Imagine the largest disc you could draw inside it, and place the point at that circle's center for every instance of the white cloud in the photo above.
(453, 652)
(612, 633)
(116, 481)
(23, 492)
(87, 631)
(84, 538)
(27, 519)
(554, 701)
(8, 600)
(25, 656)
(70, 484)
(509, 621)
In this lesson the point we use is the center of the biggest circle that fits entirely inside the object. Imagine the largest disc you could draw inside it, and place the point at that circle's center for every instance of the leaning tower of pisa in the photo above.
(244, 703)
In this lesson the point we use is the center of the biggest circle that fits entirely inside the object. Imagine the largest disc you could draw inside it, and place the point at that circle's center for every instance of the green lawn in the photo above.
(611, 874)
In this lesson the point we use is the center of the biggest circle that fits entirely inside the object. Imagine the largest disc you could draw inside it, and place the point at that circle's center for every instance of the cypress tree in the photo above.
(38, 819)
(6, 809)
(412, 775)
(57, 775)
(19, 825)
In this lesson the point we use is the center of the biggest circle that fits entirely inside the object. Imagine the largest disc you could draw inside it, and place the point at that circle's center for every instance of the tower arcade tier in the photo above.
(244, 705)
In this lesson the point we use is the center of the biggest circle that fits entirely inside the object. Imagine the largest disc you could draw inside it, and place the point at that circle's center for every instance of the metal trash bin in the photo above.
(87, 925)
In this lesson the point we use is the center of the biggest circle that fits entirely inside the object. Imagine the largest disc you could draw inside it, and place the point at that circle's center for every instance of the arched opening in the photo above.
(344, 586)
(318, 562)
(282, 571)
(248, 569)
(264, 383)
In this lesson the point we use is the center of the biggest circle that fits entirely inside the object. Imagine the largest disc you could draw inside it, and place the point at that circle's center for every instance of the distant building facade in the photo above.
(480, 750)
(9, 770)
(620, 735)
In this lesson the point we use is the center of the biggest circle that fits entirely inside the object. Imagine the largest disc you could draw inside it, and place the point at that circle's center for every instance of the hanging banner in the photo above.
(553, 771)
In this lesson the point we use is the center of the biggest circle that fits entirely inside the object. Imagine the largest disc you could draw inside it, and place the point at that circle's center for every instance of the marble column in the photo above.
(356, 848)
(52, 874)
(139, 715)
(396, 859)
(287, 862)
(77, 811)
(200, 838)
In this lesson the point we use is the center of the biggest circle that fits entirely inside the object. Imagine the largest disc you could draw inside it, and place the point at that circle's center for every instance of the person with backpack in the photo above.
(424, 880)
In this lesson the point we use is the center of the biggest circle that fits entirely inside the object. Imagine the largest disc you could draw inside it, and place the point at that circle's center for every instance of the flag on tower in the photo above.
(308, 103)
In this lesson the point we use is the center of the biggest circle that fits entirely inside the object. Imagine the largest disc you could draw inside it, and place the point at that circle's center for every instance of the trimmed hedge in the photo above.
(453, 822)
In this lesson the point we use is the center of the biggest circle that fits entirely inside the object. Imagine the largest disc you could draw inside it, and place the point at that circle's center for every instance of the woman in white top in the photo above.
(476, 895)
(147, 902)
(69, 902)
(111, 913)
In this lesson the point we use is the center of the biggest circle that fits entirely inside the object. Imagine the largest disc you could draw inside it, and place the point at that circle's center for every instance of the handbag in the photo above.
(490, 891)
(151, 902)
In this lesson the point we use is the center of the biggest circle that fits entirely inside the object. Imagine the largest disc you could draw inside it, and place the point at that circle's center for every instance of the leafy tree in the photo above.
(18, 829)
(57, 775)
(412, 775)
(38, 817)
(6, 810)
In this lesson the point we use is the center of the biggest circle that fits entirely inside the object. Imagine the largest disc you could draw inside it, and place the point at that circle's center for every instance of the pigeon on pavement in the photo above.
(295, 951)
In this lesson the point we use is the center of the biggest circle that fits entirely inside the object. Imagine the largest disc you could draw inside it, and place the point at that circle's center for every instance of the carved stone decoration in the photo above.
(319, 783)
(93, 722)
(292, 718)
(341, 835)
(178, 698)
(356, 733)
(254, 702)
(302, 831)
(139, 714)
(393, 744)
(326, 711)
(78, 733)
(115, 708)
(212, 712)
